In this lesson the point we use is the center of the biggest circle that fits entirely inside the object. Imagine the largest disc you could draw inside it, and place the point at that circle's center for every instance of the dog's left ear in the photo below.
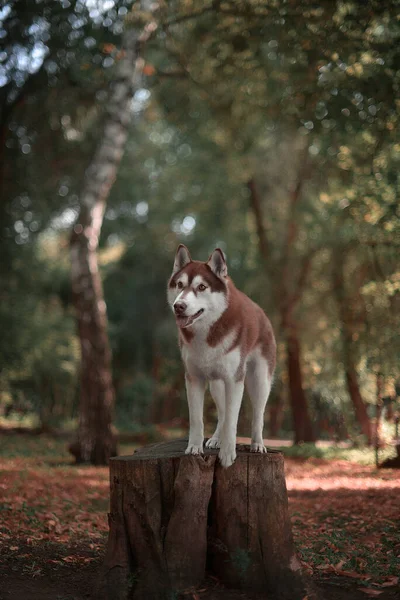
(217, 263)
(182, 258)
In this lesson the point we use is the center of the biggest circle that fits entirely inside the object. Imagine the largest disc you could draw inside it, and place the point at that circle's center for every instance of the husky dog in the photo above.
(226, 340)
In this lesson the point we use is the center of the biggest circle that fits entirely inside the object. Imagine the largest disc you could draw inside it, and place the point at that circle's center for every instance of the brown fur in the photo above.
(185, 336)
(253, 328)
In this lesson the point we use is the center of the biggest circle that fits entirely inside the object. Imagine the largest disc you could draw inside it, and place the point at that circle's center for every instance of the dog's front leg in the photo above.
(233, 400)
(195, 389)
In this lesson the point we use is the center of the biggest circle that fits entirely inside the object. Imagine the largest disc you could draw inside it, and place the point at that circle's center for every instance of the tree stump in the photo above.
(173, 515)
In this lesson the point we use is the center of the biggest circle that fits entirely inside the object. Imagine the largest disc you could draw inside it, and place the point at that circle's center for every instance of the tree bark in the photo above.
(275, 412)
(172, 514)
(350, 369)
(353, 388)
(302, 424)
(96, 442)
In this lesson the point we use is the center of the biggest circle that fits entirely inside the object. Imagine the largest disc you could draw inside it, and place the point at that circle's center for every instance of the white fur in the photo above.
(195, 394)
(258, 384)
(213, 303)
(204, 363)
(197, 281)
(216, 365)
(217, 390)
(233, 401)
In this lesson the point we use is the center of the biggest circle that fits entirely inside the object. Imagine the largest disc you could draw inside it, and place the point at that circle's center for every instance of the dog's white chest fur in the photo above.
(210, 363)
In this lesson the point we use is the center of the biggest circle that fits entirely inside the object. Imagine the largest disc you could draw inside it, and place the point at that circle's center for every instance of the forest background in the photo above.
(269, 129)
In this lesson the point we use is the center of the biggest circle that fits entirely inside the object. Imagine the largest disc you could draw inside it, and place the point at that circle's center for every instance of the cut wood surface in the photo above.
(173, 516)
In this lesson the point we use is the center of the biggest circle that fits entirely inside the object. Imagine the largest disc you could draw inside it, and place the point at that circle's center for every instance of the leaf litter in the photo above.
(345, 518)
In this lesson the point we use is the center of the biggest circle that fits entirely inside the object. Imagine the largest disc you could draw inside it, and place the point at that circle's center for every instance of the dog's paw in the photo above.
(194, 449)
(258, 448)
(227, 454)
(213, 443)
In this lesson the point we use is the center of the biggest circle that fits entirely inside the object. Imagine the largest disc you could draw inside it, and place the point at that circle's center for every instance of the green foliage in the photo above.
(233, 91)
(361, 455)
(40, 352)
(133, 403)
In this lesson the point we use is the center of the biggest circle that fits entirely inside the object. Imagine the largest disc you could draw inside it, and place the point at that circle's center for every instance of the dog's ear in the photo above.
(217, 263)
(182, 258)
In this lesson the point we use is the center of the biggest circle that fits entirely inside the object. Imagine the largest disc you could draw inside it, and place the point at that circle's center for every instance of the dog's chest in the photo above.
(211, 362)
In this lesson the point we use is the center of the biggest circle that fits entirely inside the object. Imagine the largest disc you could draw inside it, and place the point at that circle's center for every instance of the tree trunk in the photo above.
(256, 207)
(302, 425)
(351, 376)
(172, 514)
(275, 413)
(96, 442)
(288, 300)
(355, 395)
(378, 409)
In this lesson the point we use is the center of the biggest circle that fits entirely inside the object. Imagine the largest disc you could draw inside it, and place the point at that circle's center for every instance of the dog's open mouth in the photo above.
(187, 321)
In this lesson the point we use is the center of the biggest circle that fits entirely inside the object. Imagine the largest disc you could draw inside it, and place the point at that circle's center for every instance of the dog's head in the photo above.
(197, 291)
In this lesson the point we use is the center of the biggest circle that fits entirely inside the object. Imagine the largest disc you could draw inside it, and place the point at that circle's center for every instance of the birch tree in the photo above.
(96, 442)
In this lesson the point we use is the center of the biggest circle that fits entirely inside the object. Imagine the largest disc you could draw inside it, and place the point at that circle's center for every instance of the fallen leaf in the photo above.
(393, 580)
(352, 574)
(69, 559)
(371, 591)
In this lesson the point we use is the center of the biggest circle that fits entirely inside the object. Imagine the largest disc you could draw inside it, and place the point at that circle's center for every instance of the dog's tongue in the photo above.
(184, 321)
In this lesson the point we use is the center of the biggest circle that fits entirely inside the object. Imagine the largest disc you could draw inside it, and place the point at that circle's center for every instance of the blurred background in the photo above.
(269, 129)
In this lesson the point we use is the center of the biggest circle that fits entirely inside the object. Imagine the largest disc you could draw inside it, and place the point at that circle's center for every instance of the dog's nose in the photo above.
(179, 308)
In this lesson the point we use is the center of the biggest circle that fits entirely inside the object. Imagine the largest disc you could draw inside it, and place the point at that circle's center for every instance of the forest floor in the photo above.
(53, 524)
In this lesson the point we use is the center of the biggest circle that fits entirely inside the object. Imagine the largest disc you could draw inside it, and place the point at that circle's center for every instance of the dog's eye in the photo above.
(180, 285)
(202, 287)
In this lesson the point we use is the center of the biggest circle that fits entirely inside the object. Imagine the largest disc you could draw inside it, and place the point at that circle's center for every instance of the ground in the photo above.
(53, 524)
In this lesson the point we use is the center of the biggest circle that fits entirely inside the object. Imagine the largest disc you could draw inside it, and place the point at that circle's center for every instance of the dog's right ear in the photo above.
(182, 258)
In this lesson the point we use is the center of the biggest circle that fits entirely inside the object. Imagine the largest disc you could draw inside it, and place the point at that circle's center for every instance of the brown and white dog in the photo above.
(226, 340)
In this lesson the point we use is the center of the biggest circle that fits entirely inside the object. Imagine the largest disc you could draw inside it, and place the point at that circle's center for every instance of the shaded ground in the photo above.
(78, 584)
(345, 516)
